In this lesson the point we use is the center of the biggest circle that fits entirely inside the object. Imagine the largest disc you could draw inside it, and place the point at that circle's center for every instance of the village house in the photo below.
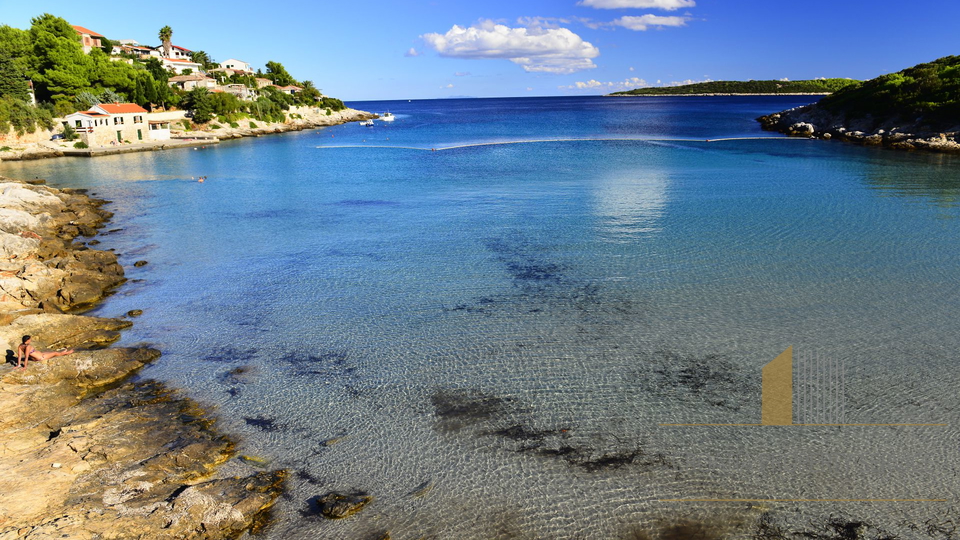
(288, 89)
(88, 38)
(176, 52)
(263, 83)
(189, 82)
(237, 66)
(239, 90)
(110, 124)
(179, 65)
(130, 46)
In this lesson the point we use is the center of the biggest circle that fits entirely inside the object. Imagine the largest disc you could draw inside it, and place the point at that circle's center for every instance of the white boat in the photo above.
(366, 123)
(387, 117)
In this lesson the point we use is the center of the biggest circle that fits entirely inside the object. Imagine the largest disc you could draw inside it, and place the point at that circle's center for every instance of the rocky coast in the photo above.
(86, 451)
(39, 146)
(815, 121)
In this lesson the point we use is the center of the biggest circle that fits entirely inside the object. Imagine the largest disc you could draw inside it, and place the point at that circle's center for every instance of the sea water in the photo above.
(490, 339)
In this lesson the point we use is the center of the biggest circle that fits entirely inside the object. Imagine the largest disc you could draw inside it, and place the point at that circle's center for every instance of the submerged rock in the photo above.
(335, 505)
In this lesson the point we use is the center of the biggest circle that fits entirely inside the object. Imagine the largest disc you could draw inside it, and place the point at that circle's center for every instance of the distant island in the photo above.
(916, 108)
(814, 86)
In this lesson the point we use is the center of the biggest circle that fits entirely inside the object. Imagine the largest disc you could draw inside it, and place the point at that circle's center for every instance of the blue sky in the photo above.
(388, 49)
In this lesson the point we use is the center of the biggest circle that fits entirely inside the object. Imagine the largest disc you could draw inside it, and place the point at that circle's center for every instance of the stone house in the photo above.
(110, 124)
(189, 82)
(239, 90)
(88, 38)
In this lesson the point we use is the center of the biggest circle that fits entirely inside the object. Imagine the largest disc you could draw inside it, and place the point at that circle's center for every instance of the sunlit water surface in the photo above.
(487, 339)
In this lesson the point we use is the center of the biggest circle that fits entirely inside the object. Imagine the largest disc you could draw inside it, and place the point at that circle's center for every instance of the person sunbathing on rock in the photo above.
(26, 352)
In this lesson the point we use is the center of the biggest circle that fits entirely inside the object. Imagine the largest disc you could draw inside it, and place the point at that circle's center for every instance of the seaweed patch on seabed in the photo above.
(229, 353)
(332, 365)
(844, 527)
(711, 378)
(492, 416)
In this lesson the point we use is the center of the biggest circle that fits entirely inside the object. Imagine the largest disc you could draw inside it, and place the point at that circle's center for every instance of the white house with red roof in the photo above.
(179, 65)
(110, 124)
(176, 52)
(88, 38)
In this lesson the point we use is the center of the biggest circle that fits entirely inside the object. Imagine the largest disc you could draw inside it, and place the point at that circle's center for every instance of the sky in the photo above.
(425, 49)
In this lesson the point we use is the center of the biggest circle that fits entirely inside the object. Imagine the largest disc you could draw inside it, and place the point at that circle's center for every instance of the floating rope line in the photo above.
(531, 141)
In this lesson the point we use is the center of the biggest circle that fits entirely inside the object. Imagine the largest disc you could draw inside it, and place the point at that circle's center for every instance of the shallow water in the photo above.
(493, 335)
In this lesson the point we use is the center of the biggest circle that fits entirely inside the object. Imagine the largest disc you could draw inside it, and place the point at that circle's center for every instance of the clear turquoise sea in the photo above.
(488, 338)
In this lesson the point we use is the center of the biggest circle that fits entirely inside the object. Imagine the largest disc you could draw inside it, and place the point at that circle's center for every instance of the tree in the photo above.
(204, 59)
(109, 96)
(166, 34)
(198, 100)
(58, 67)
(86, 100)
(106, 45)
(278, 74)
(13, 81)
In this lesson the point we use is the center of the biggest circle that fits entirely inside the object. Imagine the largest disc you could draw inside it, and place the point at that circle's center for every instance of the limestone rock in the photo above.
(335, 505)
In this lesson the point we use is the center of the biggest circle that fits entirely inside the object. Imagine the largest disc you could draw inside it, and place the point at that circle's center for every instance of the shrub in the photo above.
(329, 112)
(253, 125)
(234, 125)
(214, 126)
(186, 124)
(5, 149)
(80, 144)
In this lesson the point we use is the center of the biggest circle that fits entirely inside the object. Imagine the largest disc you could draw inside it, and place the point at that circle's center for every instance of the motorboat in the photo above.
(368, 123)
(387, 117)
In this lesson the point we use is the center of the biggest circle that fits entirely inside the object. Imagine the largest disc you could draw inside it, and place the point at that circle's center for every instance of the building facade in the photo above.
(110, 124)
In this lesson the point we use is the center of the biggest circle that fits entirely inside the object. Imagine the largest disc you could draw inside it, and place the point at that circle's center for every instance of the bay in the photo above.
(484, 312)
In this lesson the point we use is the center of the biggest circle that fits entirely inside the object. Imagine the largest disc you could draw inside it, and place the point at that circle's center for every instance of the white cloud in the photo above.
(631, 69)
(666, 5)
(529, 89)
(610, 86)
(644, 22)
(546, 50)
(542, 22)
(448, 86)
(785, 79)
(462, 74)
(412, 52)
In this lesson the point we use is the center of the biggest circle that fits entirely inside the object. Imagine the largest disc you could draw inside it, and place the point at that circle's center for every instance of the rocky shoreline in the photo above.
(85, 453)
(813, 121)
(298, 119)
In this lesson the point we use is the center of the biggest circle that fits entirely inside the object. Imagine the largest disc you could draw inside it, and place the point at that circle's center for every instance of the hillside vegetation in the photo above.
(816, 86)
(926, 93)
(65, 79)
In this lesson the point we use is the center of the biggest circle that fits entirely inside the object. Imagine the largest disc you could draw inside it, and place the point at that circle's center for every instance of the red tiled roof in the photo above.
(122, 108)
(181, 48)
(179, 60)
(82, 30)
(91, 113)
